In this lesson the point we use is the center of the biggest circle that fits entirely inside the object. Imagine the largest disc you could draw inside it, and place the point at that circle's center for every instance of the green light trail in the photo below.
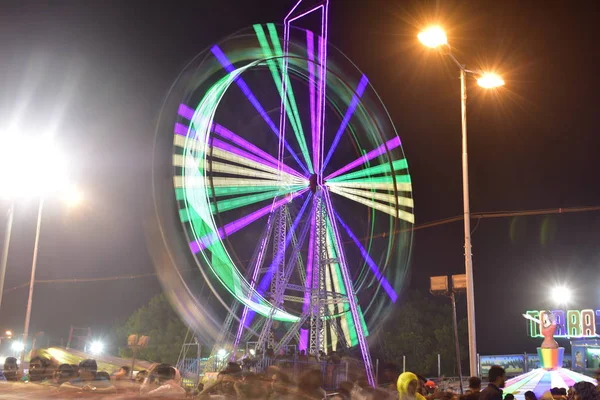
(231, 204)
(197, 206)
(385, 197)
(377, 170)
(391, 210)
(288, 98)
(385, 184)
(346, 317)
(215, 152)
(222, 191)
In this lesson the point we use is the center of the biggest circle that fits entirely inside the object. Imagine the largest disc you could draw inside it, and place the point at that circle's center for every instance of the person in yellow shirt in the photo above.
(407, 386)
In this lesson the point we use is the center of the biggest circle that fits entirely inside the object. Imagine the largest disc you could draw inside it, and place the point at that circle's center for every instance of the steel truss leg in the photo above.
(354, 308)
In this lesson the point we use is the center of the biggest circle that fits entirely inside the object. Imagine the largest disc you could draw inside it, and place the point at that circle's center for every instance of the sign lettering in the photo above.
(569, 323)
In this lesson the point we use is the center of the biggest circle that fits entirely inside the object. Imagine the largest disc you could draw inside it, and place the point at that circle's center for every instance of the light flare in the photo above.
(490, 80)
(433, 37)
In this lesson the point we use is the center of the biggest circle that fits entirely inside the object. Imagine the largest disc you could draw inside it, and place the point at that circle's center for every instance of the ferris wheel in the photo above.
(292, 188)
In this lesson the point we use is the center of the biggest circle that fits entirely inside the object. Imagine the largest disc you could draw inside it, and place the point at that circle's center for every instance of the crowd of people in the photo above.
(48, 379)
(232, 383)
(235, 382)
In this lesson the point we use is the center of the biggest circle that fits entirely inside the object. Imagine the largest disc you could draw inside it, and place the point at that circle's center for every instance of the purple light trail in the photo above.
(310, 260)
(303, 339)
(310, 49)
(266, 160)
(259, 261)
(249, 317)
(241, 327)
(323, 61)
(269, 160)
(184, 130)
(266, 279)
(222, 58)
(234, 150)
(229, 148)
(362, 85)
(185, 112)
(317, 120)
(285, 20)
(238, 224)
(387, 146)
(374, 268)
(286, 42)
(320, 132)
(306, 13)
(319, 116)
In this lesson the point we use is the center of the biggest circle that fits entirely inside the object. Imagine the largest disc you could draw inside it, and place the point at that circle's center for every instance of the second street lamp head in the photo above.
(433, 36)
(490, 80)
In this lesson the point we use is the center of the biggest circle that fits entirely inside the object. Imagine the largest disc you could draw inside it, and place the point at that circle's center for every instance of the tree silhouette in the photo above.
(161, 323)
(420, 328)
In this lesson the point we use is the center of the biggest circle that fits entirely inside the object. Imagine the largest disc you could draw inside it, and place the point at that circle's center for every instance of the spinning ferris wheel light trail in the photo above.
(353, 103)
(250, 96)
(290, 198)
(382, 280)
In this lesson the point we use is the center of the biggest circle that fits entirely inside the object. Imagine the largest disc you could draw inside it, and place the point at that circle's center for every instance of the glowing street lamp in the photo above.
(18, 346)
(96, 347)
(30, 167)
(561, 295)
(435, 37)
(490, 80)
(8, 333)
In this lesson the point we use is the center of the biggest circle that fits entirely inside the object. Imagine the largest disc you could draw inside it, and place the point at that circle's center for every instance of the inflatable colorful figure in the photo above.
(551, 374)
(548, 324)
(551, 355)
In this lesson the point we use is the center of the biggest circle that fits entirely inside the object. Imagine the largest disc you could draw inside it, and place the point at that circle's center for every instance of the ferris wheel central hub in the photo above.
(313, 182)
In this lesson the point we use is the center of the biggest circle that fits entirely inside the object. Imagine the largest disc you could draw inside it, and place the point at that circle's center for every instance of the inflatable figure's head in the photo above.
(548, 319)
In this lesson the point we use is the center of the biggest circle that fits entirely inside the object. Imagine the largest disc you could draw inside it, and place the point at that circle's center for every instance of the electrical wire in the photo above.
(80, 280)
(477, 216)
(492, 214)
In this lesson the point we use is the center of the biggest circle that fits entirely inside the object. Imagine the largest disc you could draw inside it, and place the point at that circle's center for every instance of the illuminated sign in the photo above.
(569, 324)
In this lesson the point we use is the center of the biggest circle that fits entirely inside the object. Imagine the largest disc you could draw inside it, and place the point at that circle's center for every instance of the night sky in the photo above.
(533, 144)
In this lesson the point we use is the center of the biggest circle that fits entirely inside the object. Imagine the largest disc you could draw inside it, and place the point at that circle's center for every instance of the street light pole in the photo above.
(9, 222)
(32, 281)
(435, 37)
(467, 225)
